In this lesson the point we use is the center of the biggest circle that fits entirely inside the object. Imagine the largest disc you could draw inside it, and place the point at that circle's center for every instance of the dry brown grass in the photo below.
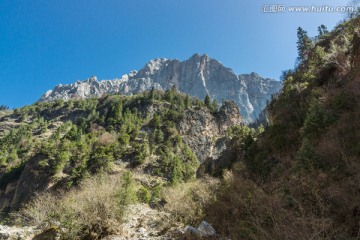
(94, 210)
(293, 208)
(106, 139)
(186, 201)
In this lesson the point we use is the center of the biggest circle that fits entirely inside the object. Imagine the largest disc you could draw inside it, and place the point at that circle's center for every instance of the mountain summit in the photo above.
(197, 76)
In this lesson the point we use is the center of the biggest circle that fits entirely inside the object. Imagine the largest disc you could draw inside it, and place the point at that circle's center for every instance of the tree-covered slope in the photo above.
(162, 134)
(300, 179)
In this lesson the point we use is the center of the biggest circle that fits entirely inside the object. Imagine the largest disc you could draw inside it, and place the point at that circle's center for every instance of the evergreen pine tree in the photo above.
(152, 94)
(214, 105)
(207, 100)
(322, 29)
(304, 44)
(187, 101)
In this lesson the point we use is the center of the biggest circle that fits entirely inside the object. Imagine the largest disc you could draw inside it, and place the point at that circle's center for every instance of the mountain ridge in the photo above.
(197, 76)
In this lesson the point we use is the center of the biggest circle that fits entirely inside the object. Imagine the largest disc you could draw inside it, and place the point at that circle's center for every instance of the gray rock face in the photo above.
(192, 233)
(202, 131)
(197, 76)
(204, 231)
(32, 179)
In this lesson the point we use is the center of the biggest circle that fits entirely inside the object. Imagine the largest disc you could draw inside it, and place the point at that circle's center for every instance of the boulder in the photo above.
(192, 233)
(206, 229)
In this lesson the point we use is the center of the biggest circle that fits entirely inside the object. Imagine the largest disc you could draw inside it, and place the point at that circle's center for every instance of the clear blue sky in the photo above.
(47, 42)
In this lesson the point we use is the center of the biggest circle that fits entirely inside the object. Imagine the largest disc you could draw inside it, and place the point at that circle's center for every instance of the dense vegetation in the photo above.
(94, 133)
(300, 179)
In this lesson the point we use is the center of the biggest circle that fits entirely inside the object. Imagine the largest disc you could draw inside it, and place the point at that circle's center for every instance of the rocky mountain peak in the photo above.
(154, 66)
(197, 76)
(199, 56)
(92, 79)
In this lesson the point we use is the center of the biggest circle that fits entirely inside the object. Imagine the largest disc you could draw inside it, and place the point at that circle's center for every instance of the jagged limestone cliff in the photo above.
(197, 76)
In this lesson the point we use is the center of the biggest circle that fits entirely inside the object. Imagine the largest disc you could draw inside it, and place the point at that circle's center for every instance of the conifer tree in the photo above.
(152, 94)
(322, 29)
(118, 108)
(304, 44)
(215, 105)
(207, 100)
(187, 101)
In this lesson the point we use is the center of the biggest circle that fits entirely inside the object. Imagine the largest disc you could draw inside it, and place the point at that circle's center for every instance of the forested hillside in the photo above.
(113, 151)
(300, 179)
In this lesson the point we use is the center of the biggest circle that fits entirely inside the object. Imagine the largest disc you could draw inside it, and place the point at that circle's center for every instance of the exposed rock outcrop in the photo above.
(204, 231)
(202, 131)
(15, 233)
(31, 178)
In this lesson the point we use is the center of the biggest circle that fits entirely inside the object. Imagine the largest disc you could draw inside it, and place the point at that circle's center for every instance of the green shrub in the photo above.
(156, 194)
(159, 136)
(142, 152)
(307, 158)
(176, 170)
(144, 195)
(124, 139)
(277, 135)
(155, 121)
(317, 120)
(191, 164)
(186, 201)
(343, 101)
(101, 159)
(61, 156)
(127, 194)
(259, 165)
